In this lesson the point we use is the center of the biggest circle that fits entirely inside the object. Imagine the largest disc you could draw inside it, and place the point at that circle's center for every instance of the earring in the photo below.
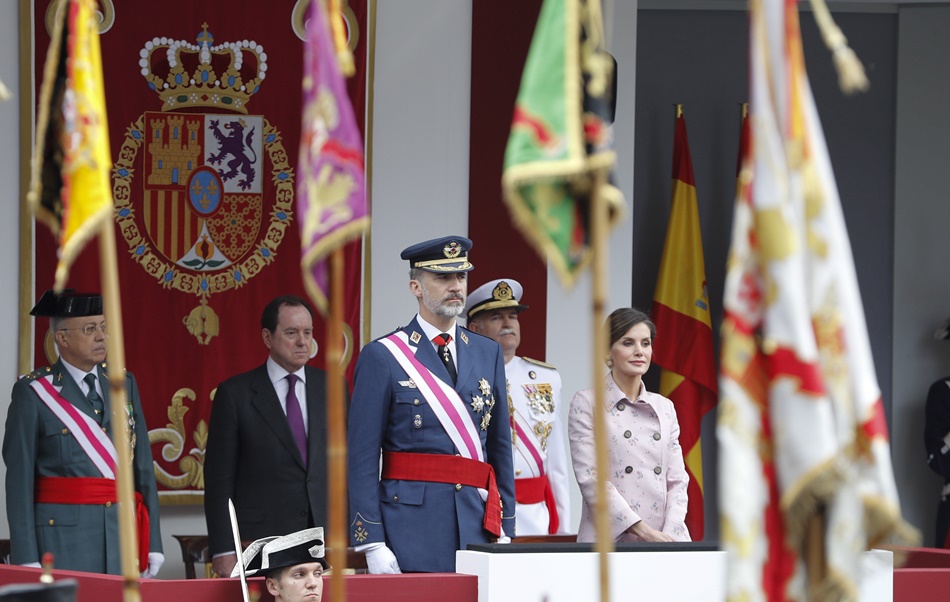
(610, 362)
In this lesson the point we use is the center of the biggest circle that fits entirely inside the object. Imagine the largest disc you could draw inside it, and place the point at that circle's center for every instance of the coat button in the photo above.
(415, 402)
(458, 486)
(395, 498)
(628, 469)
(108, 504)
(65, 431)
(518, 472)
(627, 434)
(656, 436)
(657, 470)
(621, 406)
(51, 521)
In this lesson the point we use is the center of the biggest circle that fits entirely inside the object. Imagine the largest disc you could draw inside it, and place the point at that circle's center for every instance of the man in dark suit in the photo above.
(60, 456)
(267, 439)
(428, 397)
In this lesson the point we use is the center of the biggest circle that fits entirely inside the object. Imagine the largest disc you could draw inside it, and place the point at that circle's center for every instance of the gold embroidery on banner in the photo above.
(173, 436)
(225, 228)
(202, 322)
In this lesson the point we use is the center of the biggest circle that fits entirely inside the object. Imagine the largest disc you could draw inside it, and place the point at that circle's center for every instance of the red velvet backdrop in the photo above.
(178, 355)
(501, 36)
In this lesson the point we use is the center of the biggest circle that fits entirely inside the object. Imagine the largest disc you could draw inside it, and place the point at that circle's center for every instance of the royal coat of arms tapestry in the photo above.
(204, 109)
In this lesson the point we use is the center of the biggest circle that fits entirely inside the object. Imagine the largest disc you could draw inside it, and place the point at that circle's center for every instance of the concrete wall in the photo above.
(9, 205)
(920, 277)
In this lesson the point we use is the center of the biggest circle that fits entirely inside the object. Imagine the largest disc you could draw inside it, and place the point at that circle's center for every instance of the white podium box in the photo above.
(567, 576)
(677, 575)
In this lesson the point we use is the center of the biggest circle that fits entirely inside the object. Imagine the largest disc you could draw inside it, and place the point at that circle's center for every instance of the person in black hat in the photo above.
(426, 396)
(294, 565)
(60, 457)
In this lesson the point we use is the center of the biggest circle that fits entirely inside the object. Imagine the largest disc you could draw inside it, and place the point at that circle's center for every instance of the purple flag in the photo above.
(331, 194)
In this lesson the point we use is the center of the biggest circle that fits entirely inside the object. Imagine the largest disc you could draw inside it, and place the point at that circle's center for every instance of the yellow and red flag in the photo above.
(71, 190)
(803, 447)
(681, 313)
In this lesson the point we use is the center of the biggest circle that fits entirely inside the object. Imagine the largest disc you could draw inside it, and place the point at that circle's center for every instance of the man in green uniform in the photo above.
(59, 454)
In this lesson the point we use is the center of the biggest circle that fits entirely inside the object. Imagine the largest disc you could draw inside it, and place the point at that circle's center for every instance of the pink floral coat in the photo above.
(646, 475)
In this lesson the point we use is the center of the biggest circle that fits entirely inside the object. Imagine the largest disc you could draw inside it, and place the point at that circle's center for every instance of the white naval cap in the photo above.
(497, 294)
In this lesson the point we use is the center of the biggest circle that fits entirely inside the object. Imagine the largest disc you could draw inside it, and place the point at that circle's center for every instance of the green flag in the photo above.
(560, 135)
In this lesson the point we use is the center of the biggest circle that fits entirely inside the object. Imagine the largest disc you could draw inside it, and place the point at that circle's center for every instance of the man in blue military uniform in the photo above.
(60, 457)
(428, 397)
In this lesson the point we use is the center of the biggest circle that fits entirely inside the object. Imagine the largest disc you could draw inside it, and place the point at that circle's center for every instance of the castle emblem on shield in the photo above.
(193, 189)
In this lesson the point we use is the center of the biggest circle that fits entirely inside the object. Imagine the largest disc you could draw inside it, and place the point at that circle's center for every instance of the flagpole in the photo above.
(336, 439)
(115, 349)
(598, 232)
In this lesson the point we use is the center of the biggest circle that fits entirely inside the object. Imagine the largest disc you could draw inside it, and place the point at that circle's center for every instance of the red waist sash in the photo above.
(90, 490)
(538, 489)
(443, 468)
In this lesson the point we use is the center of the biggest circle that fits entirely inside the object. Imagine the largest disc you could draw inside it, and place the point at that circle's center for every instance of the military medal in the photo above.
(478, 404)
(540, 397)
(543, 431)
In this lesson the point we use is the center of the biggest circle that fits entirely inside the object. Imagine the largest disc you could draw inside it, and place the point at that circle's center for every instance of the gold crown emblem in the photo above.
(502, 292)
(202, 74)
(452, 250)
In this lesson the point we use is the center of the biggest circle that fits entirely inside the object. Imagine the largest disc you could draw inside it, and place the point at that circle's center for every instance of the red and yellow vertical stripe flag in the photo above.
(681, 314)
(70, 189)
(561, 137)
(331, 193)
(805, 474)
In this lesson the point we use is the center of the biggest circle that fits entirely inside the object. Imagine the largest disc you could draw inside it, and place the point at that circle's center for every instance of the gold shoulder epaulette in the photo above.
(538, 363)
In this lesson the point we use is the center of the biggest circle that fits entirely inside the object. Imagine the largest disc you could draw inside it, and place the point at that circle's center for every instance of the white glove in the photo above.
(504, 539)
(33, 565)
(380, 560)
(155, 562)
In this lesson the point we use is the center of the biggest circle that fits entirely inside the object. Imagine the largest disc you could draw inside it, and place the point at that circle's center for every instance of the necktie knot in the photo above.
(292, 379)
(445, 354)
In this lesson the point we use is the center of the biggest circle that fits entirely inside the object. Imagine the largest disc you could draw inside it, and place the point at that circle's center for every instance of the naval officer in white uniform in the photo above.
(534, 398)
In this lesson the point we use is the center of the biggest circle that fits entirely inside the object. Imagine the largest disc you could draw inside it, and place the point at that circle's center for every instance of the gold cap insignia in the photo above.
(452, 249)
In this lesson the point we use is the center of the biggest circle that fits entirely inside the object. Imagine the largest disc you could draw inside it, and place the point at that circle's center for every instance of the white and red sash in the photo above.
(443, 399)
(90, 436)
(528, 444)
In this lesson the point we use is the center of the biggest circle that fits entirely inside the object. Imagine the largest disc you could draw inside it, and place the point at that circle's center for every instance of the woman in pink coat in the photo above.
(646, 486)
